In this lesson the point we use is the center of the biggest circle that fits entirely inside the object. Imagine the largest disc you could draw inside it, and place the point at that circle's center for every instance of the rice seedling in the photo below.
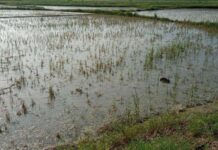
(51, 93)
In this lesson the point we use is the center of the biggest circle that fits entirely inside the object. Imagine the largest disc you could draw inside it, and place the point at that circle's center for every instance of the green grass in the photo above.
(172, 51)
(160, 143)
(196, 127)
(144, 4)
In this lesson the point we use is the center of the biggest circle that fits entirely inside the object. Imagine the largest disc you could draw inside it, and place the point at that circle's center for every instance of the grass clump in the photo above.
(51, 94)
(160, 143)
(149, 60)
(198, 126)
(171, 51)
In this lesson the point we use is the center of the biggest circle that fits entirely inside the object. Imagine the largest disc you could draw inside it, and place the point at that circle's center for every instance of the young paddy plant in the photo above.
(149, 60)
(24, 108)
(51, 94)
(136, 101)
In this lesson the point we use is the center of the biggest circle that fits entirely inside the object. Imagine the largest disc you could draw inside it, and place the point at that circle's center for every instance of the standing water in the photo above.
(193, 15)
(66, 75)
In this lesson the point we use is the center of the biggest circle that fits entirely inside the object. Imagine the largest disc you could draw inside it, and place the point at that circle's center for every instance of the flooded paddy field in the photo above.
(193, 15)
(89, 8)
(32, 13)
(72, 8)
(61, 77)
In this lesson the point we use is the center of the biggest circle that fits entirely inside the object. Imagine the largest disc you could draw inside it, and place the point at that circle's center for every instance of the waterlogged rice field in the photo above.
(88, 8)
(29, 13)
(61, 77)
(193, 15)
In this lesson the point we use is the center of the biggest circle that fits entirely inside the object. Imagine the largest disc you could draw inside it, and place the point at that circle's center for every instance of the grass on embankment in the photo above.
(195, 128)
(144, 4)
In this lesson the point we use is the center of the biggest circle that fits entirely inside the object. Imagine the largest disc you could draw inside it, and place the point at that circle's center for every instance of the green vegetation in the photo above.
(194, 128)
(172, 51)
(51, 93)
(162, 143)
(144, 4)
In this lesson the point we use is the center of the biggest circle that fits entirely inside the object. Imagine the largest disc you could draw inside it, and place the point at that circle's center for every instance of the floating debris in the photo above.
(58, 136)
(165, 80)
(80, 91)
(19, 113)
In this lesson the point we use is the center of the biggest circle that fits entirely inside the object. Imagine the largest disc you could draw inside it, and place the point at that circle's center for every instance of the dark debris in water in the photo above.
(80, 91)
(165, 80)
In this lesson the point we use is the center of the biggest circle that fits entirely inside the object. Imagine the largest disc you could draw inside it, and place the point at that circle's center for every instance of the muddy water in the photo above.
(193, 15)
(65, 75)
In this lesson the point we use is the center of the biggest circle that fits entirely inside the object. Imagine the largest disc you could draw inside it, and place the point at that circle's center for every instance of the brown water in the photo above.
(67, 75)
